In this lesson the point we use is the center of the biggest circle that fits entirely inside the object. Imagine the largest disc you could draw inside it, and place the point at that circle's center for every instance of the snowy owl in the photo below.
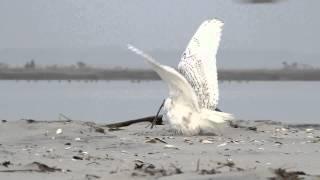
(193, 90)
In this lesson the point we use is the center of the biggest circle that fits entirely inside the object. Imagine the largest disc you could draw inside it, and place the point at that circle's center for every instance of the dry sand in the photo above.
(82, 150)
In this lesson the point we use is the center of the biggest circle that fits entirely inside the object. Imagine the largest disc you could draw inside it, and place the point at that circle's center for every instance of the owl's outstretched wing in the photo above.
(198, 63)
(180, 90)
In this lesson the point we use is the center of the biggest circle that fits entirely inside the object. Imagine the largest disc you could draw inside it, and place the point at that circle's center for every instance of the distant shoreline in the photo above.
(136, 74)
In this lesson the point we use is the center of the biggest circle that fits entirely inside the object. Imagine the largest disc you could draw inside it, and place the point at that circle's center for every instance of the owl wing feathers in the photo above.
(180, 90)
(198, 63)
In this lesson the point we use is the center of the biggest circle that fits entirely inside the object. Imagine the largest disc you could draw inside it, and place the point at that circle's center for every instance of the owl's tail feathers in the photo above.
(216, 116)
(214, 121)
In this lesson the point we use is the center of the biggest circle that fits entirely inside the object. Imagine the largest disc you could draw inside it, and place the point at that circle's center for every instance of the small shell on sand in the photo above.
(223, 144)
(205, 141)
(59, 131)
(169, 146)
(309, 130)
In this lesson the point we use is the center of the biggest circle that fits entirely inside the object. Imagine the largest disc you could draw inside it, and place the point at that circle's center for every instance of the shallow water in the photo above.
(104, 101)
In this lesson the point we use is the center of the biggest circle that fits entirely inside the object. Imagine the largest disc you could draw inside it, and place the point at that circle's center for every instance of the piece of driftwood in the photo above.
(30, 121)
(129, 122)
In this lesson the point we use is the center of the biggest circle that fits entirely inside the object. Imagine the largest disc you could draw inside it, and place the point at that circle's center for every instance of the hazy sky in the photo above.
(288, 26)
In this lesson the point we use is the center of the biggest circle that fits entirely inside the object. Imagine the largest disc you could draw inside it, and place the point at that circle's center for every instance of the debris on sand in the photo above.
(29, 120)
(92, 177)
(282, 174)
(230, 165)
(278, 143)
(77, 158)
(154, 140)
(35, 167)
(6, 163)
(227, 164)
(211, 171)
(316, 140)
(114, 129)
(151, 170)
(252, 128)
(187, 140)
(99, 130)
(40, 167)
(235, 124)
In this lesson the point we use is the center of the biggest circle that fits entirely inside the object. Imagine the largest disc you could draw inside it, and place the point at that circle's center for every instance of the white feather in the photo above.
(186, 109)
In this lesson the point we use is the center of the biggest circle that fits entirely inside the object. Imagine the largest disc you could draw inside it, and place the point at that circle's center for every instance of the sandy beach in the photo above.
(86, 150)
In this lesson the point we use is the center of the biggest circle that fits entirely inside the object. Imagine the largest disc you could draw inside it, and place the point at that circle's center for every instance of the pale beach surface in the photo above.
(86, 150)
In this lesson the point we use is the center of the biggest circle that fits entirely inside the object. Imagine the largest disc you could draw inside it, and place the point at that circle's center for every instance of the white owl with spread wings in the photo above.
(193, 89)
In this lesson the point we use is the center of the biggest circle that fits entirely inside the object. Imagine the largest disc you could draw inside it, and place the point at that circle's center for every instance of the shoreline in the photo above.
(136, 74)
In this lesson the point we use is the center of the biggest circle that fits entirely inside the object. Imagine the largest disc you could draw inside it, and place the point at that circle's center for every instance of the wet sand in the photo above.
(85, 150)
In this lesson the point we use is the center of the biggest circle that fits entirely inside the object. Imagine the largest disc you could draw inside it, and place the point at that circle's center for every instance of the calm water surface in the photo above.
(106, 101)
